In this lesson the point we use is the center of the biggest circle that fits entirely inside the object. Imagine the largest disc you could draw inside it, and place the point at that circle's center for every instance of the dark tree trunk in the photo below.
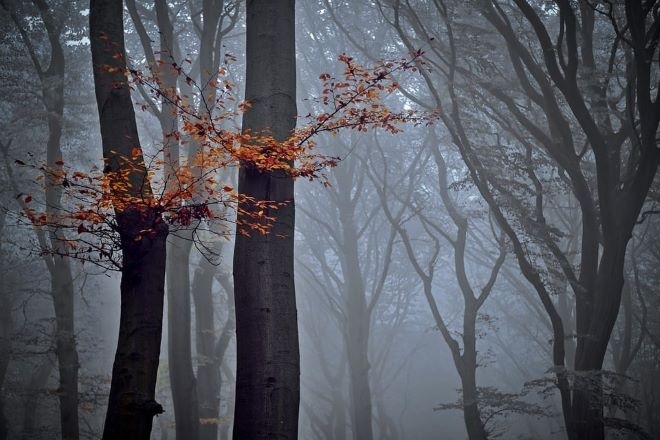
(65, 347)
(131, 404)
(468, 372)
(268, 360)
(6, 325)
(591, 350)
(143, 235)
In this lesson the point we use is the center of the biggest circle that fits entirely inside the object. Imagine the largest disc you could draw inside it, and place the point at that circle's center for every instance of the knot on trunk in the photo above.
(148, 407)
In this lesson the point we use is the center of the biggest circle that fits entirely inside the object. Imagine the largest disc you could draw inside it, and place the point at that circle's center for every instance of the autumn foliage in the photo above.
(193, 196)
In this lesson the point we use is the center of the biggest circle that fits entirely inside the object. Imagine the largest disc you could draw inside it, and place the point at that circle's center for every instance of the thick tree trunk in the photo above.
(131, 404)
(592, 347)
(268, 360)
(143, 235)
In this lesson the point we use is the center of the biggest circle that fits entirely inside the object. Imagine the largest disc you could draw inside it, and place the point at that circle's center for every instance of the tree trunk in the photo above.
(36, 388)
(268, 359)
(357, 337)
(61, 280)
(591, 349)
(357, 327)
(143, 235)
(6, 325)
(468, 372)
(131, 404)
(208, 367)
(182, 376)
(65, 347)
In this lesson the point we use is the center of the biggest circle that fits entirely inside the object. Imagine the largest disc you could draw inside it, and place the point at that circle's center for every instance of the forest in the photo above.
(330, 219)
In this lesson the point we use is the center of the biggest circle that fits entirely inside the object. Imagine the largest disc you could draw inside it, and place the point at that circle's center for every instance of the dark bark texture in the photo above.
(143, 235)
(268, 360)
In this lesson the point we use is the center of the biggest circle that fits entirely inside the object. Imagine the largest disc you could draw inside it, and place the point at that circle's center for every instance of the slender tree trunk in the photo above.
(61, 279)
(268, 359)
(357, 330)
(220, 350)
(208, 368)
(52, 90)
(468, 372)
(65, 348)
(357, 337)
(143, 235)
(182, 376)
(35, 389)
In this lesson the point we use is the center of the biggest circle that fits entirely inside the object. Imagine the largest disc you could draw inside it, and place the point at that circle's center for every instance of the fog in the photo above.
(477, 258)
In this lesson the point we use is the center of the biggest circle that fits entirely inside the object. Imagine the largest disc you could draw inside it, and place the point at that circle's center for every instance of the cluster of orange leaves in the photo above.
(189, 195)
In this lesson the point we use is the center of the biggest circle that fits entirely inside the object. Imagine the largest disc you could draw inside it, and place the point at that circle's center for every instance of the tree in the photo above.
(131, 405)
(556, 100)
(464, 352)
(268, 360)
(624, 149)
(51, 79)
(123, 201)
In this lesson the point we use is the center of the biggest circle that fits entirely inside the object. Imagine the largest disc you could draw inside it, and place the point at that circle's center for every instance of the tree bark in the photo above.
(182, 375)
(142, 232)
(6, 325)
(208, 365)
(468, 372)
(268, 359)
(35, 389)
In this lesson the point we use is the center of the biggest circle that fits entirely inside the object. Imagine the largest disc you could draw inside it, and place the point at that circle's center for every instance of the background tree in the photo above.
(573, 112)
(51, 78)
